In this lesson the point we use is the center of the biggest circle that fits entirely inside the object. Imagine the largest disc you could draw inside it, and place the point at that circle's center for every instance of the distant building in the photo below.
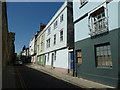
(33, 47)
(97, 41)
(8, 48)
(25, 55)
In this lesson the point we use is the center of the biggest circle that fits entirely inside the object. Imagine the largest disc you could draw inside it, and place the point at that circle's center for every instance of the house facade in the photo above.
(32, 49)
(97, 41)
(55, 42)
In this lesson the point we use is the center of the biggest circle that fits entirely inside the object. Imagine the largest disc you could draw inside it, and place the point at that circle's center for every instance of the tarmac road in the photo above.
(31, 78)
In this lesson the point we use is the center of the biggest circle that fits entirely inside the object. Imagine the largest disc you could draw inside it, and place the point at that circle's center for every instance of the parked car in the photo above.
(18, 62)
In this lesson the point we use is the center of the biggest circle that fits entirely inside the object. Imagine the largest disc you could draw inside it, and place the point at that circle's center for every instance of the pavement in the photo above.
(83, 83)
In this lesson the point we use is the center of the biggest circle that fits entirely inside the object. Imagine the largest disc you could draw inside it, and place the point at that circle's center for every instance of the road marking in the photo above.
(22, 82)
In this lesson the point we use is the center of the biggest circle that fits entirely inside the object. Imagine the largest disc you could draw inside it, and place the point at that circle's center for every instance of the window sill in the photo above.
(104, 67)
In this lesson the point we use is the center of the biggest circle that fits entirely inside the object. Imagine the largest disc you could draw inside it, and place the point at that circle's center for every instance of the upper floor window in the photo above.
(49, 30)
(83, 2)
(98, 22)
(103, 55)
(48, 43)
(54, 39)
(61, 18)
(55, 24)
(61, 35)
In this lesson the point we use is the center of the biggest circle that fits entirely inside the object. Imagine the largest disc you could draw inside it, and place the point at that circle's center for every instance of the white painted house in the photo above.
(33, 48)
(56, 41)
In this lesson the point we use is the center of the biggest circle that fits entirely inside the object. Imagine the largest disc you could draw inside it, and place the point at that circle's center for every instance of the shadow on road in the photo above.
(31, 78)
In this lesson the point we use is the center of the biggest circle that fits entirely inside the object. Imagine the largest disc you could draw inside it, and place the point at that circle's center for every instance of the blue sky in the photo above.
(24, 19)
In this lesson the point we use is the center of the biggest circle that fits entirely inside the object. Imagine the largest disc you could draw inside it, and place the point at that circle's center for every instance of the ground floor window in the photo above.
(79, 56)
(103, 55)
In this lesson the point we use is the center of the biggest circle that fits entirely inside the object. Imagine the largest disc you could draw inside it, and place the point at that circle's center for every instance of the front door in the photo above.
(71, 60)
(52, 59)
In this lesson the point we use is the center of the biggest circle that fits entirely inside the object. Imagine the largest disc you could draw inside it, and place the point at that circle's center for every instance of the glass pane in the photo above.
(103, 14)
(108, 47)
(105, 52)
(105, 47)
(102, 60)
(109, 52)
(79, 60)
(101, 53)
(98, 53)
(97, 49)
(79, 54)
(101, 48)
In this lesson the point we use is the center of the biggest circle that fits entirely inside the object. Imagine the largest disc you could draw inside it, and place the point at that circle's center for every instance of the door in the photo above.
(71, 60)
(52, 59)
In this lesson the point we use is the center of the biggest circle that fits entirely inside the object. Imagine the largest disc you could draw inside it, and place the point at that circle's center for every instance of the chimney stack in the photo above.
(42, 26)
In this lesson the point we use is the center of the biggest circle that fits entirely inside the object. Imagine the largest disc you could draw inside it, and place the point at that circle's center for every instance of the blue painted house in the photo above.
(97, 40)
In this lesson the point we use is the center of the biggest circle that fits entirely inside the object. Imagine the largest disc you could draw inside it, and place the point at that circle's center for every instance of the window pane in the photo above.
(79, 60)
(79, 54)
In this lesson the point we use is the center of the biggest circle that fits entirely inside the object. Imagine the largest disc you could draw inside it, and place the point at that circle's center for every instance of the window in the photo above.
(61, 35)
(83, 2)
(49, 31)
(48, 43)
(42, 46)
(54, 39)
(79, 57)
(98, 22)
(103, 55)
(61, 18)
(55, 24)
(55, 55)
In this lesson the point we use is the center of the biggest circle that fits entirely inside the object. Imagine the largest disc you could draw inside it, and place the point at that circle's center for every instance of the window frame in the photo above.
(54, 42)
(55, 24)
(49, 31)
(103, 56)
(96, 24)
(79, 63)
(61, 18)
(61, 35)
(48, 43)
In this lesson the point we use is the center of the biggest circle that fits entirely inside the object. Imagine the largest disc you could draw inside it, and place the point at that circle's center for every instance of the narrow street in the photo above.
(29, 78)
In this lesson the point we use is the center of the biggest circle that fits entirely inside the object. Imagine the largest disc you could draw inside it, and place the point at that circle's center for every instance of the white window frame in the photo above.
(48, 43)
(54, 39)
(49, 31)
(103, 22)
(61, 36)
(55, 24)
(61, 18)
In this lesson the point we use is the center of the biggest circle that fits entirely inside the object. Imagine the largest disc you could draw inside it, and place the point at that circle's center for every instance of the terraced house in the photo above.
(55, 42)
(97, 40)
